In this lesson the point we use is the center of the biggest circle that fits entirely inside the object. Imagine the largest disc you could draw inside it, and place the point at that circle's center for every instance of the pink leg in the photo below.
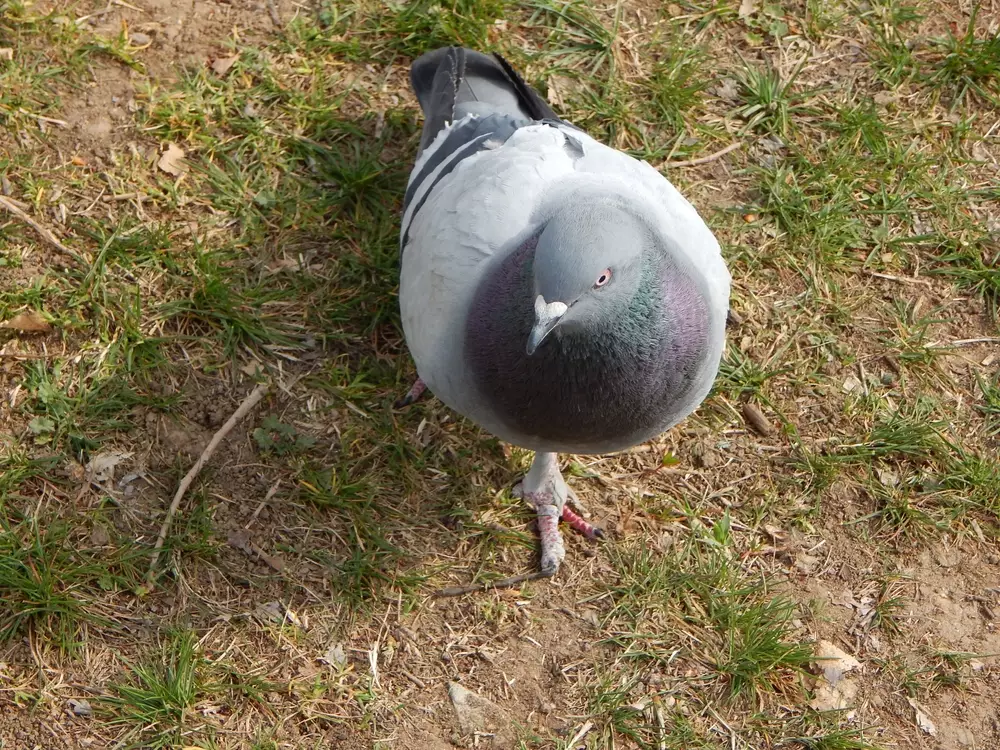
(578, 524)
(546, 490)
(551, 541)
(412, 396)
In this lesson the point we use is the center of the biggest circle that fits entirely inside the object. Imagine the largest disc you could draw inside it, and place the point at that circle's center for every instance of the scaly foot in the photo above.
(412, 396)
(550, 496)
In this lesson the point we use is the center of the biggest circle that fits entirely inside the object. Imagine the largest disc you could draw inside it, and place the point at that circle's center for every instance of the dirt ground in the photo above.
(317, 667)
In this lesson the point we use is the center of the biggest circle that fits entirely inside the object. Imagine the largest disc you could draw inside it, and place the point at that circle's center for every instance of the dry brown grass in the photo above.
(294, 607)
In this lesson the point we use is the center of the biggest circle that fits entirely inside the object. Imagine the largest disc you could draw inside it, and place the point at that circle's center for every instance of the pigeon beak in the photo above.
(547, 317)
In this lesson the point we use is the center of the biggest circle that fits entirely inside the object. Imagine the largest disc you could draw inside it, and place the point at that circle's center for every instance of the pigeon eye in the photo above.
(603, 279)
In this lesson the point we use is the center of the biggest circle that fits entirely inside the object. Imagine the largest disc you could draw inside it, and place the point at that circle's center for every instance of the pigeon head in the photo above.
(593, 334)
(587, 266)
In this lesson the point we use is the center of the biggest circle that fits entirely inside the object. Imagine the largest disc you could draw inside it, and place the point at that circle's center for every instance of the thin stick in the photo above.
(43, 118)
(970, 342)
(757, 420)
(502, 583)
(701, 159)
(899, 279)
(272, 9)
(414, 679)
(248, 403)
(661, 723)
(44, 233)
(267, 498)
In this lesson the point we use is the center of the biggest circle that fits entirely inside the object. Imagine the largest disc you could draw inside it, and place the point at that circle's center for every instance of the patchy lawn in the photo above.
(221, 184)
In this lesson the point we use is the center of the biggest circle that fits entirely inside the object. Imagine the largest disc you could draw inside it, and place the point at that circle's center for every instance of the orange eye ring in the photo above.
(603, 279)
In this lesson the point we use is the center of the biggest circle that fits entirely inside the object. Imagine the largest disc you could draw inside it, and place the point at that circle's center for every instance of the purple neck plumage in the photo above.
(605, 388)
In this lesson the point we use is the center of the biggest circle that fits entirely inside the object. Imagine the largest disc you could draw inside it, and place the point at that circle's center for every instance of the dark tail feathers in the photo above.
(452, 82)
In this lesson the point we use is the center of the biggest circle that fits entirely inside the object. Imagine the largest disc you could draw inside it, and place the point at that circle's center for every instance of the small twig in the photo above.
(968, 342)
(660, 722)
(43, 118)
(414, 679)
(272, 8)
(241, 540)
(267, 498)
(248, 403)
(19, 355)
(757, 420)
(570, 613)
(105, 11)
(701, 159)
(275, 563)
(899, 279)
(501, 583)
(44, 233)
(95, 14)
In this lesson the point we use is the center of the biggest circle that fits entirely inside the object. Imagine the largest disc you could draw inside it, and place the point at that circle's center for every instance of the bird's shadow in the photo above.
(405, 485)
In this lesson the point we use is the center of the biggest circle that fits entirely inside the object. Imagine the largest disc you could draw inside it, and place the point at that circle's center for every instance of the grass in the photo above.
(966, 65)
(160, 694)
(292, 606)
(769, 101)
(745, 630)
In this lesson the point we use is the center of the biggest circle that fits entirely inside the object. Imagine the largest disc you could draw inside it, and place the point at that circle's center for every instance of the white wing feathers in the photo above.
(484, 206)
(490, 202)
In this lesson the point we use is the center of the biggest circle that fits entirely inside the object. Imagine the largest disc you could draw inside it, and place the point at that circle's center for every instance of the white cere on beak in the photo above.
(546, 318)
(547, 312)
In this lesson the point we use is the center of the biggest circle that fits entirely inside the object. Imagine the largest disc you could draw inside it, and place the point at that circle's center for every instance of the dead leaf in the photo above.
(851, 384)
(478, 714)
(747, 8)
(834, 661)
(560, 88)
(28, 322)
(277, 613)
(172, 160)
(101, 467)
(80, 708)
(241, 540)
(774, 532)
(923, 720)
(888, 477)
(335, 656)
(728, 90)
(6, 53)
(221, 65)
(833, 697)
(99, 536)
(806, 563)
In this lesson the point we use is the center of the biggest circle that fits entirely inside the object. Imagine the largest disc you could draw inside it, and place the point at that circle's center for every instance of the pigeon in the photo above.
(557, 292)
